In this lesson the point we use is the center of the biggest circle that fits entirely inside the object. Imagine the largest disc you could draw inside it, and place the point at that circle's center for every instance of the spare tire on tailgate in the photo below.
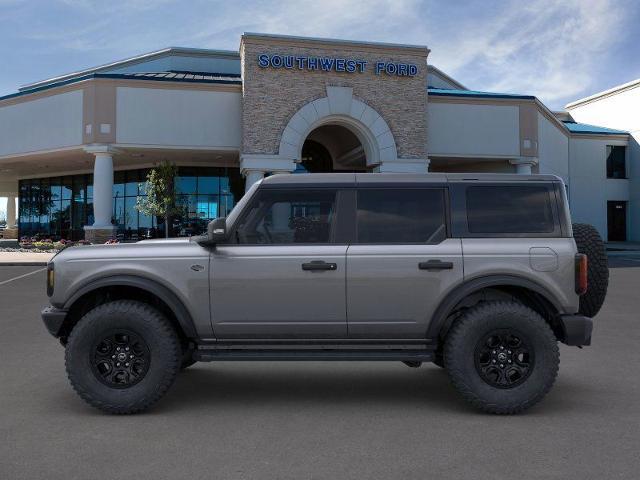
(590, 243)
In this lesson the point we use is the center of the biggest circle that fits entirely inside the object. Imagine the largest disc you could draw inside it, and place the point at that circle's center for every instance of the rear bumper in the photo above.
(53, 319)
(576, 330)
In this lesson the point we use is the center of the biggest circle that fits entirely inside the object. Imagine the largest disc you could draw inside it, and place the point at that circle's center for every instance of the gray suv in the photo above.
(480, 274)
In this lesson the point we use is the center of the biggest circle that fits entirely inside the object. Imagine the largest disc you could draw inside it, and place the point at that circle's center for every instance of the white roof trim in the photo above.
(132, 61)
(605, 93)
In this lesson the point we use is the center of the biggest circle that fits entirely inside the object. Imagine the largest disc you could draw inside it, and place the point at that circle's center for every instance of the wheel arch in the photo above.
(134, 288)
(528, 291)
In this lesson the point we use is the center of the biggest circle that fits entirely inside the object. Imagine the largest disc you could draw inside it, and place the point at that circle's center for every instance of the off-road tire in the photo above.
(590, 243)
(147, 323)
(460, 356)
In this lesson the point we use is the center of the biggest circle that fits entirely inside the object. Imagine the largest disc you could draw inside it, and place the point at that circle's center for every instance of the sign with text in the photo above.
(335, 64)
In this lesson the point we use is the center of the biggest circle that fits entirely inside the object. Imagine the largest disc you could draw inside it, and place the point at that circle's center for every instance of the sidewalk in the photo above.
(24, 259)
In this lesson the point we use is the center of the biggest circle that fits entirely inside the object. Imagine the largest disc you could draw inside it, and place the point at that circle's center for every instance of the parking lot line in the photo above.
(22, 276)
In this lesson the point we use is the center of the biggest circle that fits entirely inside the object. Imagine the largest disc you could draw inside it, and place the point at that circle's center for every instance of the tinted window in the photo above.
(289, 216)
(509, 209)
(616, 167)
(401, 216)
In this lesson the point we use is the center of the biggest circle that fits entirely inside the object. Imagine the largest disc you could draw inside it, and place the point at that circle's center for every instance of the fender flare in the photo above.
(151, 286)
(439, 319)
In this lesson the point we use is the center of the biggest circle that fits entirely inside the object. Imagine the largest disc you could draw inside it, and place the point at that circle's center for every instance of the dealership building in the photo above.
(74, 149)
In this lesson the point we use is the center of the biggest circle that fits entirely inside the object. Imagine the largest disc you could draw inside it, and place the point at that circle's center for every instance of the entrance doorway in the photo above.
(332, 148)
(617, 221)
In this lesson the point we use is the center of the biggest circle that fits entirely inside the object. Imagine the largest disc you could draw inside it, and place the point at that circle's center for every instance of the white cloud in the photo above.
(549, 48)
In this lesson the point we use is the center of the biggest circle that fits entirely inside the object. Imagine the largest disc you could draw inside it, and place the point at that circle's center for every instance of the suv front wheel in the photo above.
(123, 356)
(502, 357)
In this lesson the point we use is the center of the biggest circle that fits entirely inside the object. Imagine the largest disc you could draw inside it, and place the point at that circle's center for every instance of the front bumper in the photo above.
(576, 330)
(53, 319)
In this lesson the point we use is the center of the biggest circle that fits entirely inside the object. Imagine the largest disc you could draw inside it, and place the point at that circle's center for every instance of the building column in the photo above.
(251, 177)
(102, 228)
(11, 232)
(11, 211)
(254, 166)
(524, 164)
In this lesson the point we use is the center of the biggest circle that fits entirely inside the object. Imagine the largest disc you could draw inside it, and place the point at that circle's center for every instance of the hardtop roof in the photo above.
(400, 178)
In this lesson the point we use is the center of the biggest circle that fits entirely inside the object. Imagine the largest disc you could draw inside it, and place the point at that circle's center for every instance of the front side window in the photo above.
(401, 215)
(509, 209)
(289, 217)
(616, 165)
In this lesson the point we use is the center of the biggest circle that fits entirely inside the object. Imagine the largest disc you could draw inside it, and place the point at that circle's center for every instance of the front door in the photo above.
(284, 275)
(402, 263)
(617, 221)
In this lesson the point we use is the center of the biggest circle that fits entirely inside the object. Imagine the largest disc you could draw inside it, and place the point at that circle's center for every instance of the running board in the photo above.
(212, 355)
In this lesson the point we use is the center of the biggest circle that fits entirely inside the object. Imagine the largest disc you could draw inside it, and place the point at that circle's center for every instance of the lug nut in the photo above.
(118, 364)
(126, 364)
(493, 351)
(113, 356)
(501, 366)
(118, 349)
(130, 356)
(509, 361)
(508, 351)
(501, 347)
(494, 361)
(127, 349)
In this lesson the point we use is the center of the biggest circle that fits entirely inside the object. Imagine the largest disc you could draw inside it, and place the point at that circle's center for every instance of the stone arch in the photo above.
(339, 107)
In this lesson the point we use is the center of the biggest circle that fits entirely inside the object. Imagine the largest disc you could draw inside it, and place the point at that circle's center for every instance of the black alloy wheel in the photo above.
(120, 359)
(503, 358)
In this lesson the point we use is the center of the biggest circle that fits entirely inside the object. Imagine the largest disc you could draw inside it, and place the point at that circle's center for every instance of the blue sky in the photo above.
(557, 50)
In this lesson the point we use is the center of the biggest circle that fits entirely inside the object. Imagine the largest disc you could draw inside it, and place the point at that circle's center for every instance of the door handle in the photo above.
(318, 265)
(435, 265)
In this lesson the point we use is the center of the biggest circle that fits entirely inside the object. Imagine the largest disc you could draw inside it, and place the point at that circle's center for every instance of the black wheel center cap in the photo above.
(502, 357)
(122, 357)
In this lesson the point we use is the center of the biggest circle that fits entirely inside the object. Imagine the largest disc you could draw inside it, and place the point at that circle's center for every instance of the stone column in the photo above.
(11, 232)
(251, 177)
(102, 228)
(11, 211)
(524, 164)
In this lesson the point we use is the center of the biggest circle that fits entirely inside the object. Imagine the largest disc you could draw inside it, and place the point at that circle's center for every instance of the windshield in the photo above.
(233, 215)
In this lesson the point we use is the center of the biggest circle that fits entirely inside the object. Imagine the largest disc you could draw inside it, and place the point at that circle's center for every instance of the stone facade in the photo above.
(272, 96)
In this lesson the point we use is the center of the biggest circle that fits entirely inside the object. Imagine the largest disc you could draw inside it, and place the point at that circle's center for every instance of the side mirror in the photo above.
(216, 233)
(217, 230)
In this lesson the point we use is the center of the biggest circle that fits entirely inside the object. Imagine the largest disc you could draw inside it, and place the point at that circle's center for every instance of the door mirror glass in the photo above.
(217, 230)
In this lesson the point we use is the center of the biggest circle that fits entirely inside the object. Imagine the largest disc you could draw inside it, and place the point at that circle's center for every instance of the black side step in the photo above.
(212, 355)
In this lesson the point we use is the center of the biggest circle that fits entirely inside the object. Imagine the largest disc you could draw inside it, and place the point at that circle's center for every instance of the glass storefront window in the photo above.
(59, 207)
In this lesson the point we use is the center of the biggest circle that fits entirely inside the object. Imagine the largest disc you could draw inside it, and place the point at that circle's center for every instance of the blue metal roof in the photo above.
(575, 127)
(444, 92)
(188, 77)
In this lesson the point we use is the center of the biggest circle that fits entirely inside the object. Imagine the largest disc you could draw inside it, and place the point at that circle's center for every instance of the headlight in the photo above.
(50, 279)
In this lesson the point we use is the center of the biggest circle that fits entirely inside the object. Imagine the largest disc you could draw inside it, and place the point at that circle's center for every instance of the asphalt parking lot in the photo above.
(319, 420)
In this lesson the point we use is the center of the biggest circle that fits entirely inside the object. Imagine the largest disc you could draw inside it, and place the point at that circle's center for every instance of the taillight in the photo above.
(50, 279)
(581, 274)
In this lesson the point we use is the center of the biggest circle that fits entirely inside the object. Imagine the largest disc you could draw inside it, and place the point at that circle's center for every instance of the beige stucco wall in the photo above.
(172, 117)
(272, 96)
(50, 122)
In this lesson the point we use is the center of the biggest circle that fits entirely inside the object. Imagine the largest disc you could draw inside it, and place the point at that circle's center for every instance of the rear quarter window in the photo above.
(509, 209)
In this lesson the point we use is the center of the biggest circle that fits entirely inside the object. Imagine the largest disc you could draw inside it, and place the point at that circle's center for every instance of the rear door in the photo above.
(284, 276)
(402, 262)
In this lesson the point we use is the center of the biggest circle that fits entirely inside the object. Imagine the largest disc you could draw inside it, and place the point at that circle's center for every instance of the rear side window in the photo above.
(509, 209)
(401, 215)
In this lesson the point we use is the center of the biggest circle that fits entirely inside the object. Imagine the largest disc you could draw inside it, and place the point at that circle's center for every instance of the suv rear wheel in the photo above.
(502, 357)
(122, 356)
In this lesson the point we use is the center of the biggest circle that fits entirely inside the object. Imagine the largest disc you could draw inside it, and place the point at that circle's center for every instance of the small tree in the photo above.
(160, 200)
